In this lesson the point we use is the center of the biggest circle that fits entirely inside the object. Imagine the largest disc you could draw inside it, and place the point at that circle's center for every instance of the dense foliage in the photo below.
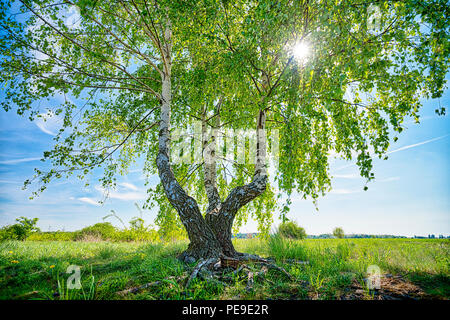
(20, 230)
(363, 77)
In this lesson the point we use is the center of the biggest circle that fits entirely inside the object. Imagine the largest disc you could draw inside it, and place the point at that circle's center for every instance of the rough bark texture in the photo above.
(210, 237)
(203, 242)
(209, 144)
(221, 220)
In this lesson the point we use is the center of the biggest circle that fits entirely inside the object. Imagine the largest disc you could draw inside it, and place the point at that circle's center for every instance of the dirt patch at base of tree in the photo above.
(391, 288)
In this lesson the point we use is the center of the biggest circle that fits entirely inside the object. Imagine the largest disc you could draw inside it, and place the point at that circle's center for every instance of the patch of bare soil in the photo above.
(391, 288)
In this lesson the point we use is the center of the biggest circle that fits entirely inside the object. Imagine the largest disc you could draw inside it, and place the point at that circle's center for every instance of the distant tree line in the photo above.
(25, 229)
(354, 236)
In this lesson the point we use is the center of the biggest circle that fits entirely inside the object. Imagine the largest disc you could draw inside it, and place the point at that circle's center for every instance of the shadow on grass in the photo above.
(112, 268)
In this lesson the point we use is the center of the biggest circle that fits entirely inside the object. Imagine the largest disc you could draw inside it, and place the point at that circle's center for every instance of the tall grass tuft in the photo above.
(281, 248)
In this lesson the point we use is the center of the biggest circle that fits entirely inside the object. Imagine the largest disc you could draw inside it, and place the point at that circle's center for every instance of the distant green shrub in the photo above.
(173, 234)
(137, 230)
(94, 234)
(52, 236)
(97, 232)
(338, 233)
(291, 230)
(135, 235)
(26, 229)
(20, 230)
(105, 231)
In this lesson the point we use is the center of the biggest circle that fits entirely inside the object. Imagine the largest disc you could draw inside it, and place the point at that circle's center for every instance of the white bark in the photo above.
(209, 143)
(202, 240)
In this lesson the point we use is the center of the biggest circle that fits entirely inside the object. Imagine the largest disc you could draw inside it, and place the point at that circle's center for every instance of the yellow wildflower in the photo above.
(11, 252)
(52, 266)
(14, 261)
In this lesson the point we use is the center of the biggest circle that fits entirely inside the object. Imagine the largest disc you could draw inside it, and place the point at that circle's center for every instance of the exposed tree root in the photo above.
(227, 263)
(198, 267)
(234, 262)
(27, 295)
(213, 270)
(252, 257)
(282, 270)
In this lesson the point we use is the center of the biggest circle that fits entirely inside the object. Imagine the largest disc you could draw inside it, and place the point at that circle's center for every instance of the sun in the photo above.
(301, 51)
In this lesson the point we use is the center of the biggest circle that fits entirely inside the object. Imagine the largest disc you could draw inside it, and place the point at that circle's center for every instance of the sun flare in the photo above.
(301, 51)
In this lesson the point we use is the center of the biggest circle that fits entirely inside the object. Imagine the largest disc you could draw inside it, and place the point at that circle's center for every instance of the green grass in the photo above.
(37, 270)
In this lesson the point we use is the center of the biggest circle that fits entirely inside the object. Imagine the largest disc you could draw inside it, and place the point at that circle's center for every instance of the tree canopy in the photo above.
(222, 64)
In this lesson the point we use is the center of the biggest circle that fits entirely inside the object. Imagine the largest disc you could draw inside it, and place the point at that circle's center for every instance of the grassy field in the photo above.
(333, 269)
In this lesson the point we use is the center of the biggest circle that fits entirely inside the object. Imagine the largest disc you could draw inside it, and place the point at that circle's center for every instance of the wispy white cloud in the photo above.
(15, 161)
(89, 200)
(10, 181)
(135, 170)
(121, 194)
(128, 185)
(399, 149)
(41, 125)
(347, 176)
(128, 196)
(345, 167)
(124, 196)
(417, 144)
(48, 123)
(343, 191)
(421, 119)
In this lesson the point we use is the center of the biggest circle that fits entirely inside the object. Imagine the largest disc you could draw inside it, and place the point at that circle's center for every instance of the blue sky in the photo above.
(410, 195)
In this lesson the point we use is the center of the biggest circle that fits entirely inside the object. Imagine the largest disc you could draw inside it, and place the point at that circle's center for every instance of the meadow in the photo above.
(318, 268)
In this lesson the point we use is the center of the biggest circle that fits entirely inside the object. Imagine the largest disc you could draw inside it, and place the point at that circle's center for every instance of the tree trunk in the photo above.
(221, 219)
(210, 237)
(203, 242)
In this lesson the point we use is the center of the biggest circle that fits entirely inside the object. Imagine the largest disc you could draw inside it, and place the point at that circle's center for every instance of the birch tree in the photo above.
(334, 78)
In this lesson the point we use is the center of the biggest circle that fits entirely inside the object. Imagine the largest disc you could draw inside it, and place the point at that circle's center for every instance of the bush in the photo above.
(338, 232)
(105, 231)
(97, 232)
(52, 236)
(291, 230)
(137, 231)
(20, 230)
(136, 235)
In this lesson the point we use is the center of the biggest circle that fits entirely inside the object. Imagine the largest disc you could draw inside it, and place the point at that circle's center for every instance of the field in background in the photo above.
(331, 269)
